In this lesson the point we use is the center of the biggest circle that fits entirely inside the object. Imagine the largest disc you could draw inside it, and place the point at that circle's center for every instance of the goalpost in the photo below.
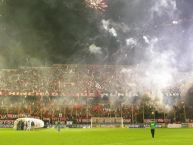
(106, 122)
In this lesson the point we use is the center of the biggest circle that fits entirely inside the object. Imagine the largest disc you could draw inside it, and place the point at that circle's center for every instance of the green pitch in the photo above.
(96, 137)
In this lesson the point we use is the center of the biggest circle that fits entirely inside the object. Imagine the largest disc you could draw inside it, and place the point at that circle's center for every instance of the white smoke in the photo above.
(158, 67)
(93, 49)
(164, 7)
(113, 32)
(146, 39)
(151, 46)
(154, 75)
(109, 27)
(105, 24)
(131, 42)
(175, 22)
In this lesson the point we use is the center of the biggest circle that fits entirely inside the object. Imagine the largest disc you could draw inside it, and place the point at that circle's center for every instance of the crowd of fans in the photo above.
(78, 92)
(65, 80)
(68, 92)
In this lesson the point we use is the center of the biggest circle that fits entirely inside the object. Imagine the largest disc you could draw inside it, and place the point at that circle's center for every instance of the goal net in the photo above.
(106, 122)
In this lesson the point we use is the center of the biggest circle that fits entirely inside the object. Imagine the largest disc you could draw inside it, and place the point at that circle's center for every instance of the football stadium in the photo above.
(79, 103)
(96, 72)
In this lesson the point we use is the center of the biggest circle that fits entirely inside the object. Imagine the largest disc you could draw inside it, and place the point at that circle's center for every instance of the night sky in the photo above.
(45, 32)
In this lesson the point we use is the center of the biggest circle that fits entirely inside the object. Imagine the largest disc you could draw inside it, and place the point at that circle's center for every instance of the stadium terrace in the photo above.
(87, 94)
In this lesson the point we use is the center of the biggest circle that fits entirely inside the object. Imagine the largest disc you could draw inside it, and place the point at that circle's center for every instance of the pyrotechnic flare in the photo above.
(97, 4)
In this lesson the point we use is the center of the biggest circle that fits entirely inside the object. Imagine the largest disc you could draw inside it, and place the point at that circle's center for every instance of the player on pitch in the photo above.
(152, 126)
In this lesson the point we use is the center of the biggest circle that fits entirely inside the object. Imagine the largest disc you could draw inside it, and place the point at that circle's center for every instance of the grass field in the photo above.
(96, 137)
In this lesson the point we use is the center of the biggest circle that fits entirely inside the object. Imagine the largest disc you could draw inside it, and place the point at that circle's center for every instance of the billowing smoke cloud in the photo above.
(158, 46)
